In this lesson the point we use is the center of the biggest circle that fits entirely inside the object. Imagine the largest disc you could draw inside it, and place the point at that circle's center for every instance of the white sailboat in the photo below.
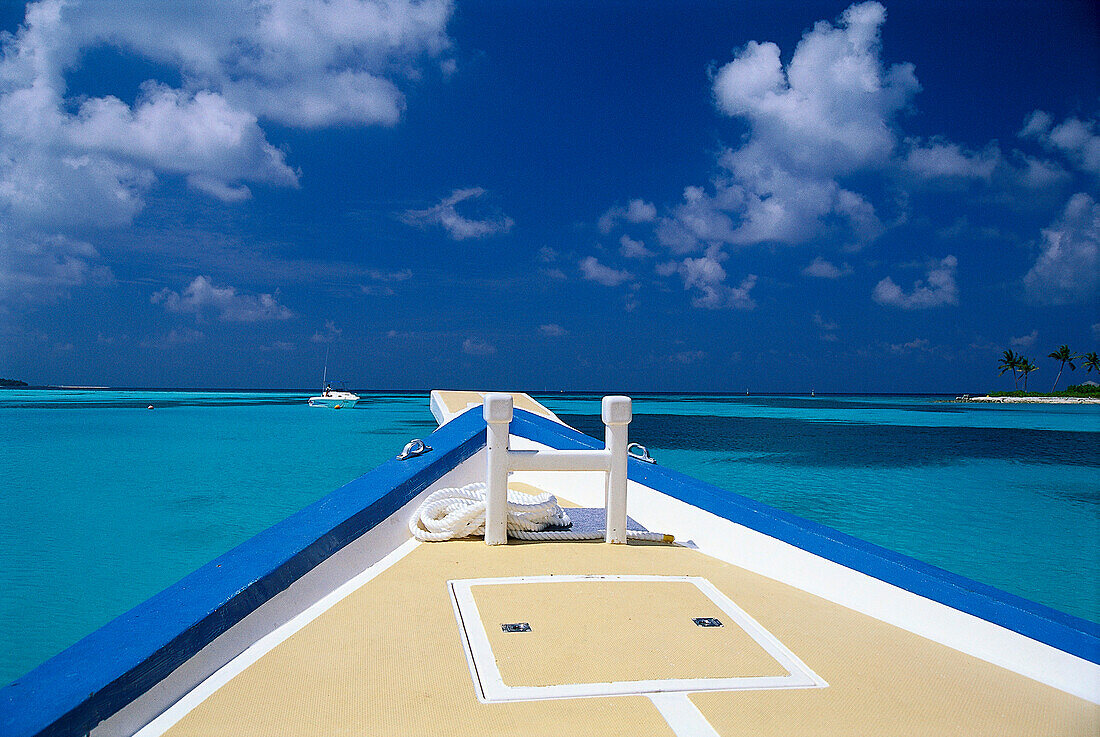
(333, 398)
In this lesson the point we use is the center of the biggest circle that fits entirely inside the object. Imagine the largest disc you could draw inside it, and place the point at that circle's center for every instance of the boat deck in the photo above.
(390, 658)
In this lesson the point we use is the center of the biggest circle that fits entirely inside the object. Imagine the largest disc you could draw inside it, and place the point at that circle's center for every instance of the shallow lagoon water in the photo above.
(105, 503)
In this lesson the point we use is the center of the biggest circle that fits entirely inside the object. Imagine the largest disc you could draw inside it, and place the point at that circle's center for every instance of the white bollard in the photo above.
(497, 410)
(616, 413)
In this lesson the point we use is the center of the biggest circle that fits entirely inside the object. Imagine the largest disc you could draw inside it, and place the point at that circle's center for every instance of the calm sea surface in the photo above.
(103, 503)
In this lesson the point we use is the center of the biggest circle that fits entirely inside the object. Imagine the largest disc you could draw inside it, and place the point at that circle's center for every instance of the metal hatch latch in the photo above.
(413, 449)
(707, 621)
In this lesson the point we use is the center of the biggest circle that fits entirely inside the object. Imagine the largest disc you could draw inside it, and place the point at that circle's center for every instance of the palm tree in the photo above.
(1026, 367)
(1064, 355)
(1010, 362)
(1090, 362)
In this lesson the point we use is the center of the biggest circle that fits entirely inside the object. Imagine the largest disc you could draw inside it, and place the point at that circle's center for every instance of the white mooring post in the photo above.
(616, 413)
(498, 414)
(497, 410)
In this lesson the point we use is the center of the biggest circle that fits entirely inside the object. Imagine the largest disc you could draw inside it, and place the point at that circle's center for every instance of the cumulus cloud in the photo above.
(593, 270)
(172, 338)
(915, 345)
(938, 288)
(816, 126)
(687, 357)
(202, 296)
(69, 162)
(329, 334)
(1068, 268)
(829, 110)
(1076, 139)
(458, 227)
(706, 278)
(630, 248)
(478, 347)
(381, 281)
(1025, 341)
(939, 159)
(827, 328)
(823, 269)
(553, 330)
(636, 211)
(827, 113)
(46, 268)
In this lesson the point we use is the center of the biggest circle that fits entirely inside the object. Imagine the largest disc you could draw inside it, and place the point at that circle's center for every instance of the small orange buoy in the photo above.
(338, 406)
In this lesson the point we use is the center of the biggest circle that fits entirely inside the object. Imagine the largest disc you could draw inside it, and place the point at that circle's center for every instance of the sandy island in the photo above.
(1029, 400)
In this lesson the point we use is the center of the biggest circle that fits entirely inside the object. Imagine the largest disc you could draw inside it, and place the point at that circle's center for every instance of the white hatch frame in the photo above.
(490, 687)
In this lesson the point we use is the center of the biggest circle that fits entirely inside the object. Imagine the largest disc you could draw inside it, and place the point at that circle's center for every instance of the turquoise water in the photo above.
(104, 503)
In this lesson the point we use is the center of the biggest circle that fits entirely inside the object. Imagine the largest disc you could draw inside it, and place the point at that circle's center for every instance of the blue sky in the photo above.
(616, 196)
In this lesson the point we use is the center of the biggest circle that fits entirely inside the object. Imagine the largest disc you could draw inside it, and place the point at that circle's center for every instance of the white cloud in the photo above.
(1074, 138)
(199, 135)
(69, 162)
(1038, 174)
(478, 347)
(829, 112)
(667, 268)
(707, 278)
(823, 269)
(201, 295)
(938, 288)
(553, 330)
(382, 280)
(700, 219)
(457, 226)
(630, 248)
(593, 270)
(687, 357)
(183, 336)
(827, 328)
(45, 268)
(940, 159)
(1025, 341)
(822, 323)
(636, 211)
(330, 333)
(918, 344)
(1068, 269)
(640, 211)
(390, 276)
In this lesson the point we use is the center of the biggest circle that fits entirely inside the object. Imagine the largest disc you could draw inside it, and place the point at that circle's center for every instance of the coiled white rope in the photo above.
(460, 512)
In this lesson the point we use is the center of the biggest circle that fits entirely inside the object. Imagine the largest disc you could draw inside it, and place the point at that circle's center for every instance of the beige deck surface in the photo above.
(457, 401)
(387, 660)
(657, 639)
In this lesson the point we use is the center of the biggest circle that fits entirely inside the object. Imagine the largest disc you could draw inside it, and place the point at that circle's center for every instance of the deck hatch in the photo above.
(615, 635)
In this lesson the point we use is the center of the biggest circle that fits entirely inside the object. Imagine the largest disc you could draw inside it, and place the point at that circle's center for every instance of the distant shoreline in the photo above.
(1027, 400)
